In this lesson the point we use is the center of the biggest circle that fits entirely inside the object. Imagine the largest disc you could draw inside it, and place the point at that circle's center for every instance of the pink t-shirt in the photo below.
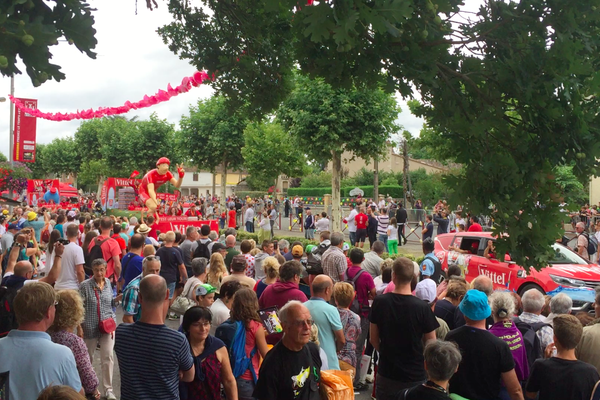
(364, 284)
(110, 248)
(250, 343)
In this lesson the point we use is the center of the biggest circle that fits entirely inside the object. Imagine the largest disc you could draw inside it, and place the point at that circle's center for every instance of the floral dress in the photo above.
(351, 326)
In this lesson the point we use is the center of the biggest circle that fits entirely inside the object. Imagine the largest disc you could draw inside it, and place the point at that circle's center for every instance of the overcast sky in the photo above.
(132, 61)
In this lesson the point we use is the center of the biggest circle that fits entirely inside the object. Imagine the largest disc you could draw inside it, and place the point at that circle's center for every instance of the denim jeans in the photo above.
(383, 238)
(309, 233)
(171, 286)
(245, 389)
(352, 238)
(249, 226)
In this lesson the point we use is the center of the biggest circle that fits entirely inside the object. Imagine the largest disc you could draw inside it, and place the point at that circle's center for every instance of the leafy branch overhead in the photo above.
(28, 28)
(512, 88)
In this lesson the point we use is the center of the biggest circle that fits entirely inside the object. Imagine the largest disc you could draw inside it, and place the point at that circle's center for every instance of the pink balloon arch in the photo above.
(161, 96)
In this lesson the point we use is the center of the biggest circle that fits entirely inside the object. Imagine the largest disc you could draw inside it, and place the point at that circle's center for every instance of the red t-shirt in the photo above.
(152, 232)
(232, 215)
(121, 242)
(110, 248)
(191, 213)
(361, 221)
(155, 178)
(475, 228)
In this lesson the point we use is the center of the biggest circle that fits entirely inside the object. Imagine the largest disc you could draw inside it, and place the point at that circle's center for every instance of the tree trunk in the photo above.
(405, 175)
(336, 170)
(214, 184)
(224, 183)
(100, 183)
(376, 181)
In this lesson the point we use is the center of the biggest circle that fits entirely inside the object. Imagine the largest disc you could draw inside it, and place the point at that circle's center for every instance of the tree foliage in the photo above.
(512, 90)
(269, 151)
(213, 135)
(326, 122)
(28, 28)
(108, 147)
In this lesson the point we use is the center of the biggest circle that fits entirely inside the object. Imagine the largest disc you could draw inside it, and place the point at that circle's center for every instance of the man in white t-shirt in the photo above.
(72, 273)
(351, 224)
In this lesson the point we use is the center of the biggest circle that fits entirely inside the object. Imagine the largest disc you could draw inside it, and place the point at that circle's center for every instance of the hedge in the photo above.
(392, 190)
(253, 194)
(307, 192)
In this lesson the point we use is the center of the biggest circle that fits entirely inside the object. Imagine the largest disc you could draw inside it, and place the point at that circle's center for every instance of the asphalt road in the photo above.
(174, 325)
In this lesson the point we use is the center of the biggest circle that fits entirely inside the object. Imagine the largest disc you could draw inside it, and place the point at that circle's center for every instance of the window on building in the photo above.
(195, 177)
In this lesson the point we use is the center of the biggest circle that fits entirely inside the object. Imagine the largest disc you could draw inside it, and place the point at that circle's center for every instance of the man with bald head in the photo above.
(292, 369)
(327, 318)
(231, 251)
(152, 374)
(483, 284)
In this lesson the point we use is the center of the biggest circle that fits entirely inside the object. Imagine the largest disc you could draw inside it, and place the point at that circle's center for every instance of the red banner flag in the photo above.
(24, 133)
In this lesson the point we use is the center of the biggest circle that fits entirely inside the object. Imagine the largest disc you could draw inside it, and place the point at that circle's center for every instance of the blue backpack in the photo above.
(233, 334)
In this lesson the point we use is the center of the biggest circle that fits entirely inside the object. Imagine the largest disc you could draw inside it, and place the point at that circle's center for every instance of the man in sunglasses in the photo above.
(131, 304)
(292, 369)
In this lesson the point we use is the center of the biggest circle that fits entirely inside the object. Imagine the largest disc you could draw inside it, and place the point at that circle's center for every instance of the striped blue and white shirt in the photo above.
(150, 358)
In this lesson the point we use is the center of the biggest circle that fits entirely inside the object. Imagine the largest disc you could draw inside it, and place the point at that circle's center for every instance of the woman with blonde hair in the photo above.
(68, 316)
(271, 267)
(216, 271)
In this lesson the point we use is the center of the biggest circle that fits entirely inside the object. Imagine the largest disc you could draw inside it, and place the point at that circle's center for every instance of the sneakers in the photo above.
(360, 386)
(110, 395)
(173, 316)
(369, 378)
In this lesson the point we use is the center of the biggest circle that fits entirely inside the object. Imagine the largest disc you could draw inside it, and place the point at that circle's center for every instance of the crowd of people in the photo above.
(410, 330)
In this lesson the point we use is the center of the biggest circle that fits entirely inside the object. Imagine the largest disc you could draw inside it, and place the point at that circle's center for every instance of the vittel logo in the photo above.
(498, 279)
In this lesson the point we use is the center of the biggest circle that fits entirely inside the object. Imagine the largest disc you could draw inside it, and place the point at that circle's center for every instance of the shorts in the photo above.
(171, 286)
(143, 196)
(361, 235)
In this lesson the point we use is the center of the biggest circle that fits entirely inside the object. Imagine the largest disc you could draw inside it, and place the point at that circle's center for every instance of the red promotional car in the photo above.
(567, 272)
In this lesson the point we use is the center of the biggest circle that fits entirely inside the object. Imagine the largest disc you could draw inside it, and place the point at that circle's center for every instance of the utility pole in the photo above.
(11, 122)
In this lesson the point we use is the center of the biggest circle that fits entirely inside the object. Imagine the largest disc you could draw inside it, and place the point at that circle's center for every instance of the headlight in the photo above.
(567, 281)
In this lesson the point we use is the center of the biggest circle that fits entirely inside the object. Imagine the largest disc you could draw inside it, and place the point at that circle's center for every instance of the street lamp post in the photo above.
(11, 121)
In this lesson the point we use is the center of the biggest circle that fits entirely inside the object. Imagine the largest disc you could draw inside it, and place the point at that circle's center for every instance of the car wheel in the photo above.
(528, 286)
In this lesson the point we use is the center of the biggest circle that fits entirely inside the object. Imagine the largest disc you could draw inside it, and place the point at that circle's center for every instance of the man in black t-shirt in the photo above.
(172, 267)
(576, 379)
(292, 369)
(400, 323)
(487, 360)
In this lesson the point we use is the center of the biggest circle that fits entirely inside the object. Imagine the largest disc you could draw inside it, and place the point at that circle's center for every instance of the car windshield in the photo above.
(563, 255)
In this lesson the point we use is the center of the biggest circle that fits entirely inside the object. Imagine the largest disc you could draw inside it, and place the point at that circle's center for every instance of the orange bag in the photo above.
(336, 385)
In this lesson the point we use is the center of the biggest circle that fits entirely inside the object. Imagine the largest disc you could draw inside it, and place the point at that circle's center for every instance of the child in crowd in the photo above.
(392, 233)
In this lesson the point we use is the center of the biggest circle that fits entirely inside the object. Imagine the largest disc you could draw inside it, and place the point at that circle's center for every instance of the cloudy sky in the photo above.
(132, 61)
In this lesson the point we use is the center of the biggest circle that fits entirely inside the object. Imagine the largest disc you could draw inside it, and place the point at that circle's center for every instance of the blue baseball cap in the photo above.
(475, 305)
(14, 226)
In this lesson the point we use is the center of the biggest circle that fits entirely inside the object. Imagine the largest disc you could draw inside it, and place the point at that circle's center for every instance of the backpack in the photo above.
(438, 274)
(8, 320)
(233, 334)
(592, 246)
(94, 253)
(202, 250)
(313, 260)
(356, 307)
(533, 345)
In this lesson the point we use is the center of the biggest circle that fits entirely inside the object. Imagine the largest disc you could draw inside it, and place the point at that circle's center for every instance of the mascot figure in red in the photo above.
(154, 179)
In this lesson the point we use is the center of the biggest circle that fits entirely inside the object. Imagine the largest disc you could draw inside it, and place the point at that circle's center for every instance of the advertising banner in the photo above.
(24, 133)
(181, 226)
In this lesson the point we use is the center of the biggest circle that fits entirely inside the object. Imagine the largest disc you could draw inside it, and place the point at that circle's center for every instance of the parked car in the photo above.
(567, 272)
